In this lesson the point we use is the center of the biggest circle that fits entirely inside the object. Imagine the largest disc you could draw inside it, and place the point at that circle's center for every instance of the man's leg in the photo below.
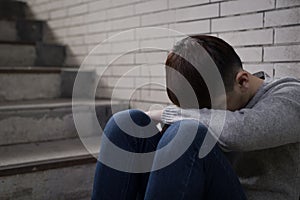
(190, 177)
(111, 184)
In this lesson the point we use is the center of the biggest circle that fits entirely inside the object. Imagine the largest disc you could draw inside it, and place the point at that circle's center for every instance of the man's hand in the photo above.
(155, 114)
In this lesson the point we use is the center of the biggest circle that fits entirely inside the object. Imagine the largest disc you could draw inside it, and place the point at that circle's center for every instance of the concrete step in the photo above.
(21, 30)
(12, 9)
(28, 83)
(87, 77)
(42, 120)
(61, 169)
(31, 54)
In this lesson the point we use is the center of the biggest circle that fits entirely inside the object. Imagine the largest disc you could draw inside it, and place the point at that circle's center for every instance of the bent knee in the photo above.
(184, 128)
(139, 117)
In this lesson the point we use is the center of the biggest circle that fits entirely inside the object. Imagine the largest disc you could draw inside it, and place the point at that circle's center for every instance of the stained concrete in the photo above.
(27, 86)
(60, 184)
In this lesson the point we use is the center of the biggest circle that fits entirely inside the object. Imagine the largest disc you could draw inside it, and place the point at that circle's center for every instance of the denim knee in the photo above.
(115, 131)
(194, 129)
(138, 116)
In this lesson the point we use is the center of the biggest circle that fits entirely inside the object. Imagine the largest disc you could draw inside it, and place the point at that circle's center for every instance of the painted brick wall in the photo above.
(265, 33)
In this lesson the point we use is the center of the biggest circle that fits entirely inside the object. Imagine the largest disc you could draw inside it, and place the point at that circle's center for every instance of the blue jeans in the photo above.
(187, 178)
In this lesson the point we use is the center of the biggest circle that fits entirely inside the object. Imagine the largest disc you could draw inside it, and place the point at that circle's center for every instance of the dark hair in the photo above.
(223, 55)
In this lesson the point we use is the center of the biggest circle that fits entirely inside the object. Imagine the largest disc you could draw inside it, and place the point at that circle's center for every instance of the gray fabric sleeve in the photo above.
(272, 122)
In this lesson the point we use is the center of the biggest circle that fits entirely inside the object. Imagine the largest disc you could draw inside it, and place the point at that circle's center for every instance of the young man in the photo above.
(261, 129)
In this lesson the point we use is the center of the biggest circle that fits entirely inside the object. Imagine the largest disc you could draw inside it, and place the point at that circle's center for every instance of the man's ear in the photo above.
(242, 80)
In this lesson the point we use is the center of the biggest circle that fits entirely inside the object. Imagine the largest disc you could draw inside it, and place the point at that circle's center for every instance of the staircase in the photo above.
(41, 155)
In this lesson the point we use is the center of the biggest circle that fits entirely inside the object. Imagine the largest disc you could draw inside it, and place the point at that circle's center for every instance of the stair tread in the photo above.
(51, 103)
(30, 69)
(26, 43)
(20, 19)
(36, 54)
(21, 30)
(39, 153)
(37, 69)
(13, 9)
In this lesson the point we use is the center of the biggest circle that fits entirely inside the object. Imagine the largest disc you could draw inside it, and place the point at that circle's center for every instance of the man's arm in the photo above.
(272, 122)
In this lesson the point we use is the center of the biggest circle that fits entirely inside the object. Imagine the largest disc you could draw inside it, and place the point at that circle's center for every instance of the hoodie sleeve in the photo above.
(272, 122)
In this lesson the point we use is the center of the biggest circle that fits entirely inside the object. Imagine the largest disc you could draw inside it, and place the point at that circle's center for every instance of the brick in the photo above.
(58, 14)
(95, 60)
(122, 94)
(282, 17)
(126, 23)
(142, 83)
(76, 40)
(256, 37)
(123, 2)
(282, 53)
(160, 44)
(266, 67)
(69, 3)
(150, 6)
(155, 70)
(99, 27)
(78, 50)
(42, 8)
(121, 36)
(39, 2)
(154, 96)
(189, 28)
(121, 70)
(59, 23)
(95, 17)
(199, 12)
(242, 6)
(159, 83)
(158, 18)
(94, 38)
(121, 60)
(120, 82)
(146, 106)
(100, 49)
(120, 12)
(287, 35)
(74, 20)
(77, 30)
(152, 32)
(180, 3)
(60, 33)
(99, 5)
(52, 5)
(125, 47)
(78, 10)
(150, 57)
(237, 22)
(286, 3)
(250, 54)
(287, 69)
(156, 84)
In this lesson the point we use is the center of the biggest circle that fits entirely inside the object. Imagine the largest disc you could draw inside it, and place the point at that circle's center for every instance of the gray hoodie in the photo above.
(265, 138)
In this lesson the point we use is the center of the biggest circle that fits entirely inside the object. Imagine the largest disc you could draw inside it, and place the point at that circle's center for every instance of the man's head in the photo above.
(235, 79)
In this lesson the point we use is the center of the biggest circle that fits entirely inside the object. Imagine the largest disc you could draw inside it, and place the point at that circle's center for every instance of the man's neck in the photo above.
(256, 84)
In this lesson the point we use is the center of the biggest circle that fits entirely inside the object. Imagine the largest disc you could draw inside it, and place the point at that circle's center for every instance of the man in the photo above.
(261, 129)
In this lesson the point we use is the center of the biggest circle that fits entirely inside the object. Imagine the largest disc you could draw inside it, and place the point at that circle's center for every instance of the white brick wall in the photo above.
(242, 22)
(282, 17)
(238, 7)
(265, 33)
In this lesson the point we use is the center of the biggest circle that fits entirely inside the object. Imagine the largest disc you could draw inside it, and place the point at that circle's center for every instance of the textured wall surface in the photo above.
(265, 33)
